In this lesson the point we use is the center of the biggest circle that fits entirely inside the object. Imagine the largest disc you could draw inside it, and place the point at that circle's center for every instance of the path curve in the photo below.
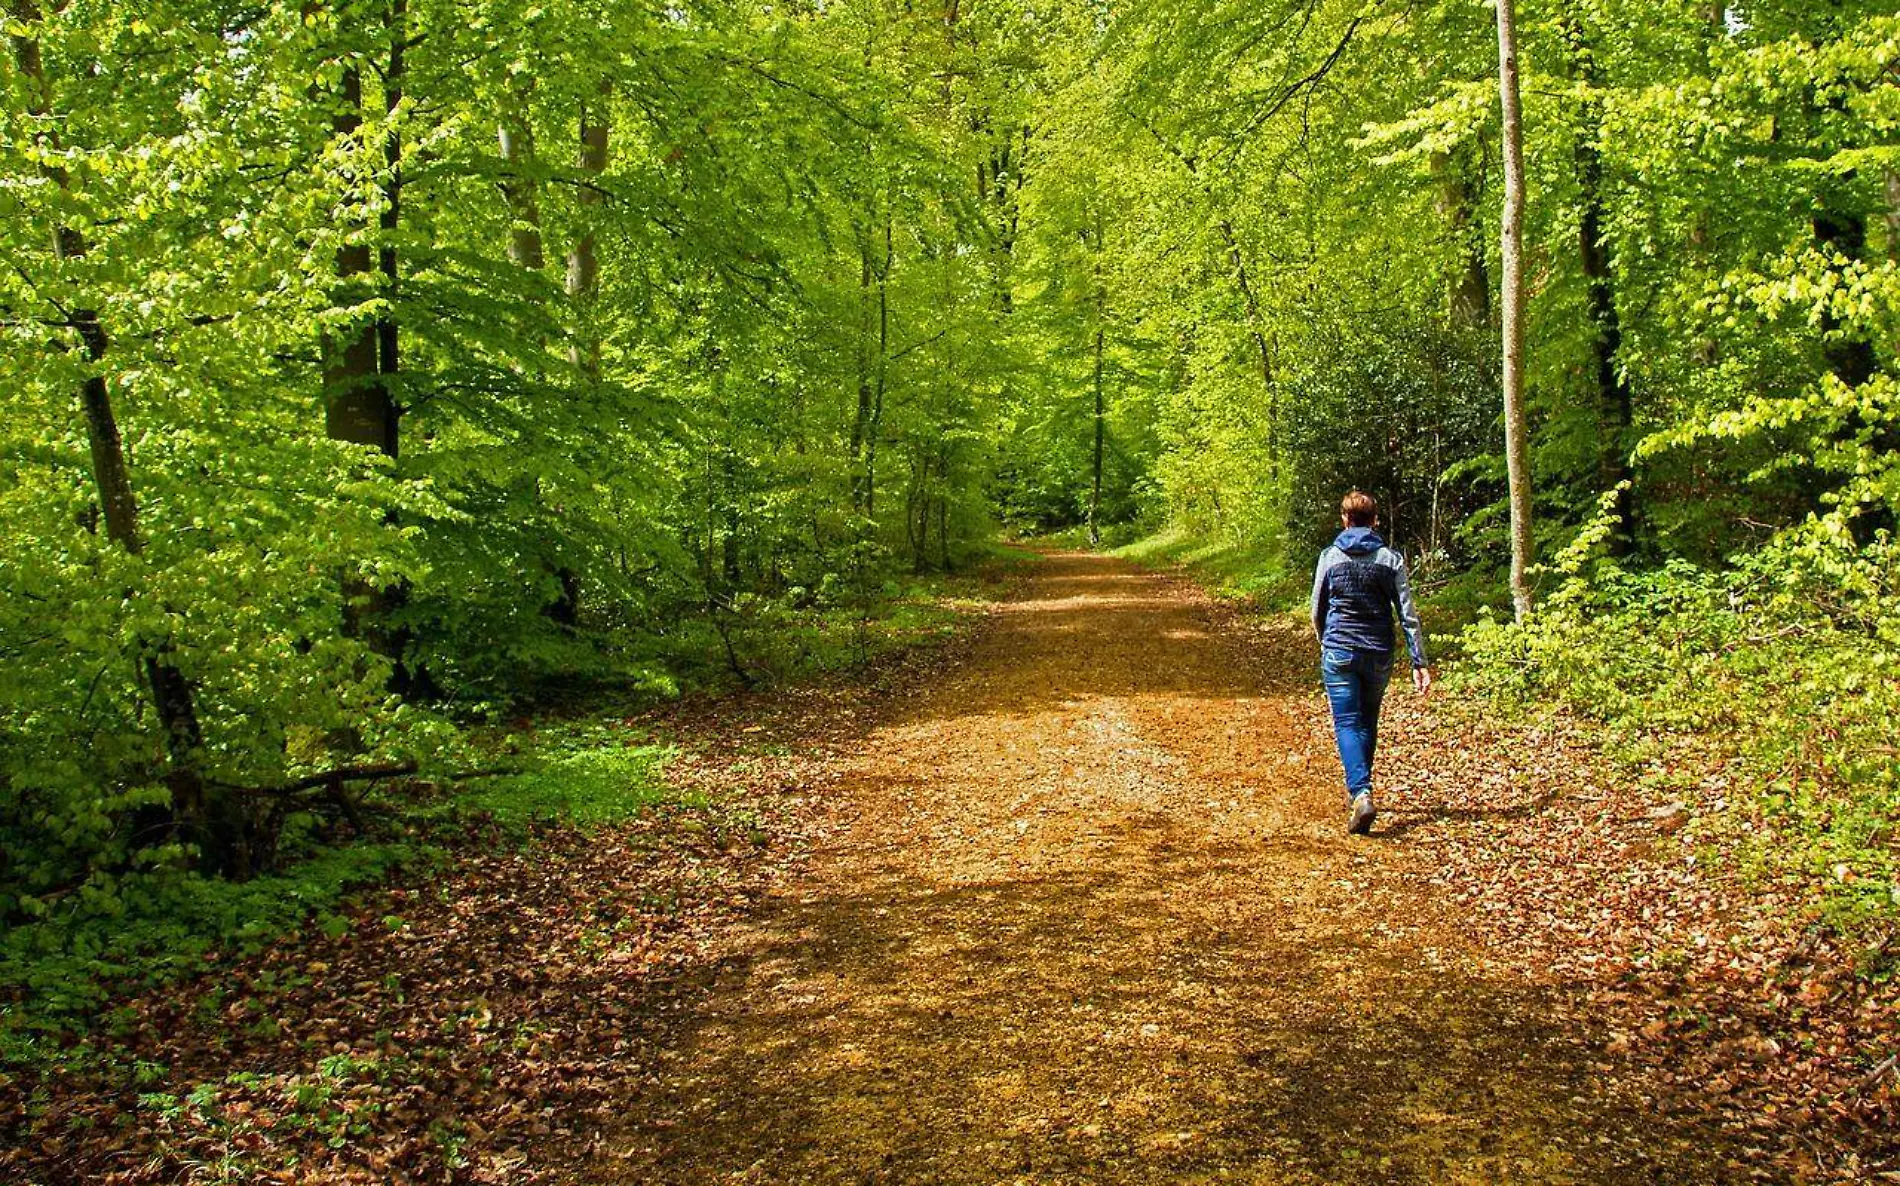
(1084, 911)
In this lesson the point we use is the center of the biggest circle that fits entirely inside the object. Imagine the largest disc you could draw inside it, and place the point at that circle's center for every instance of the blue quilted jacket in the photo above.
(1359, 584)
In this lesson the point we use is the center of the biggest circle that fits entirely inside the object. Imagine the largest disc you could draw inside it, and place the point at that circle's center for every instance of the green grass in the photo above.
(1255, 572)
(592, 774)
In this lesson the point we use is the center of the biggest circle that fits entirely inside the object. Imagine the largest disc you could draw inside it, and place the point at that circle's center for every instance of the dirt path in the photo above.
(1084, 912)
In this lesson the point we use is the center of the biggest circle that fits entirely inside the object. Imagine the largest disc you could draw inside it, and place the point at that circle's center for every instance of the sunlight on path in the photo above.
(1086, 913)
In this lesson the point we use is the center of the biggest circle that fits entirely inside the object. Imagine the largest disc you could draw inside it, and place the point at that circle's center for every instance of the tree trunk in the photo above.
(1095, 488)
(1468, 296)
(1510, 302)
(518, 190)
(1890, 181)
(917, 525)
(583, 263)
(1615, 411)
(395, 22)
(357, 406)
(357, 368)
(861, 421)
(1099, 420)
(881, 374)
(173, 697)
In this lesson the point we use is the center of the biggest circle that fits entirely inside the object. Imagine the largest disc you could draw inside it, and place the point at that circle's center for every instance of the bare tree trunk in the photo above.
(1511, 300)
(583, 263)
(1890, 180)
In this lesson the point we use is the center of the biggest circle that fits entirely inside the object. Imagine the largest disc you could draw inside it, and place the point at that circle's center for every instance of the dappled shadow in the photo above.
(1089, 1025)
(1087, 916)
(1068, 640)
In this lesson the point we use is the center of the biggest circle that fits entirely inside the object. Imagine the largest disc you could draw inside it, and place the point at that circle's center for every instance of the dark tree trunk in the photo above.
(1615, 408)
(360, 364)
(357, 404)
(861, 421)
(174, 699)
(880, 373)
(1468, 295)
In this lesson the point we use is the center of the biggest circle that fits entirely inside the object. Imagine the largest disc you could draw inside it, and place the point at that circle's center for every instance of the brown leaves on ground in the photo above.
(1067, 902)
(1570, 869)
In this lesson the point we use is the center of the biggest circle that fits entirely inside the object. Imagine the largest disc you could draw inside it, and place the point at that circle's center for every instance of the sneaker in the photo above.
(1362, 814)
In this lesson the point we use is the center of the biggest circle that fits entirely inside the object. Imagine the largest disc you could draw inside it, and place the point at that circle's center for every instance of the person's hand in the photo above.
(1422, 679)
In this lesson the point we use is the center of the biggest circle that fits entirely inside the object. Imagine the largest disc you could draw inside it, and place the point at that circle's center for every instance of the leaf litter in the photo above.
(1066, 900)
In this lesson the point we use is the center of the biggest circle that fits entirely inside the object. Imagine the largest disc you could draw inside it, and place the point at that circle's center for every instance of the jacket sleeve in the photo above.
(1320, 599)
(1408, 610)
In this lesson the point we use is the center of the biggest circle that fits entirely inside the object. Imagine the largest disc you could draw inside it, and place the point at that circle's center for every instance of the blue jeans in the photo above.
(1355, 687)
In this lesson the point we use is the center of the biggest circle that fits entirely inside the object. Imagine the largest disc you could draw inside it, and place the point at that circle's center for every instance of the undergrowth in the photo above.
(1256, 572)
(570, 766)
(1761, 696)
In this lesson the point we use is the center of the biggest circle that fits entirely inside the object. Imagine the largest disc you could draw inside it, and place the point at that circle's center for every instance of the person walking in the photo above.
(1357, 587)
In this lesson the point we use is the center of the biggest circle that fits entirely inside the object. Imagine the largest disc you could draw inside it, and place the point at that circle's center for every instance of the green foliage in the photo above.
(584, 774)
(633, 434)
(1784, 669)
(71, 958)
(1258, 573)
(353, 397)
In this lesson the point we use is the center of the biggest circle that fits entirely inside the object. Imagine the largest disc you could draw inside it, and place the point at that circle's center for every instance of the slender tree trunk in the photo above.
(173, 697)
(1101, 421)
(917, 514)
(1615, 407)
(882, 372)
(861, 421)
(1511, 301)
(583, 263)
(1098, 422)
(1890, 181)
(943, 511)
(516, 136)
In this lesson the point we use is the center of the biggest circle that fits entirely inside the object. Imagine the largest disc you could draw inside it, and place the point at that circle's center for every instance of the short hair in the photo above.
(1359, 508)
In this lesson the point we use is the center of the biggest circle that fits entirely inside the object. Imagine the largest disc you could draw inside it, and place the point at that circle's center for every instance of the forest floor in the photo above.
(1068, 901)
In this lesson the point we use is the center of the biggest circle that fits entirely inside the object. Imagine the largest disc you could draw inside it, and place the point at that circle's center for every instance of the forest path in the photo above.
(1084, 911)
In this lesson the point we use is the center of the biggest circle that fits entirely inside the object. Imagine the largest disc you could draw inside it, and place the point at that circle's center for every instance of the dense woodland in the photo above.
(375, 367)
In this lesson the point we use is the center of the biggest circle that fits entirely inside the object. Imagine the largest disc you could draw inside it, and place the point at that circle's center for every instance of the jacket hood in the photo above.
(1358, 541)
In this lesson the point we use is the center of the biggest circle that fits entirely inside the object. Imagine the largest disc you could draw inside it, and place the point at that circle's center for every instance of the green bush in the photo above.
(1786, 663)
